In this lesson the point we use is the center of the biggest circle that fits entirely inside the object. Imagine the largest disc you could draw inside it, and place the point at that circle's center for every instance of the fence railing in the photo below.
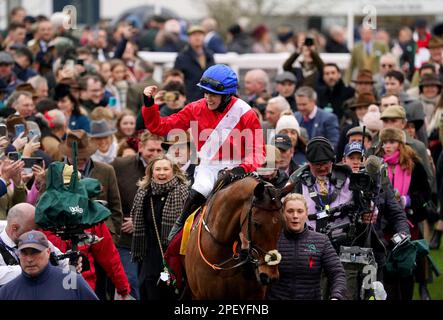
(239, 62)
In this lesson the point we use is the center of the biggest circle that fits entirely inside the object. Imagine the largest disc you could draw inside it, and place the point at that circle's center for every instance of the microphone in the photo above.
(376, 169)
(373, 166)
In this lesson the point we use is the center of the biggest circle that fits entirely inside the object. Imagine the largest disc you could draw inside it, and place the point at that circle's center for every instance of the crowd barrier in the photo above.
(271, 62)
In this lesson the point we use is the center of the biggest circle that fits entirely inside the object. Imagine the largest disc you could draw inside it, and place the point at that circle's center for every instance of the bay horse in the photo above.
(214, 270)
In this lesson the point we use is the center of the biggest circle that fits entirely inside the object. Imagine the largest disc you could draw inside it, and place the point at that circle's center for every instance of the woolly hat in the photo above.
(393, 134)
(372, 119)
(287, 122)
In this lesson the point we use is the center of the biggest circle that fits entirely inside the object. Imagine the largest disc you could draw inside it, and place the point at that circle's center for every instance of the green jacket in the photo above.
(360, 59)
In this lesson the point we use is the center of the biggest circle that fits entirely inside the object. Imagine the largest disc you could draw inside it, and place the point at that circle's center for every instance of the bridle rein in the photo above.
(271, 258)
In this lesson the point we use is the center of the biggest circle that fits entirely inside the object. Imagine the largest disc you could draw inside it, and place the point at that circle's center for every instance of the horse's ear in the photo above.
(259, 190)
(287, 189)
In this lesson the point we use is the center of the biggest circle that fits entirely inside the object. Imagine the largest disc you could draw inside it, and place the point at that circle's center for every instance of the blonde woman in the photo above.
(157, 204)
(310, 252)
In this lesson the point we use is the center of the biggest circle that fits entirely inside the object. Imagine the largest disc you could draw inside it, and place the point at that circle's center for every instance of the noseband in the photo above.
(270, 258)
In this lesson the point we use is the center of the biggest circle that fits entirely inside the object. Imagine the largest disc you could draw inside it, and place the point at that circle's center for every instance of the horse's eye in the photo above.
(257, 225)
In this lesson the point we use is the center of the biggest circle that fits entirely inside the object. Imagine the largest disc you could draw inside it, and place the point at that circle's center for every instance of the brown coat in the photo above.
(129, 170)
(106, 175)
(11, 198)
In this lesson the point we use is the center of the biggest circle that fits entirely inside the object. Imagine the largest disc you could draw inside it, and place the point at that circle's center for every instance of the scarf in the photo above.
(434, 122)
(177, 193)
(108, 156)
(429, 105)
(400, 178)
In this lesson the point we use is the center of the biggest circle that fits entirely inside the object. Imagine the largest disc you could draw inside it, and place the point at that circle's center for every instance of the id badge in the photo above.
(322, 214)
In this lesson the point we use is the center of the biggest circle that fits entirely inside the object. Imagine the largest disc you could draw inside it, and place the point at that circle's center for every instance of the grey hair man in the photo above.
(274, 109)
(256, 82)
(21, 219)
(315, 120)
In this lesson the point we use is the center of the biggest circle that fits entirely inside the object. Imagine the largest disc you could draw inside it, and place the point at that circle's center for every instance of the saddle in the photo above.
(177, 249)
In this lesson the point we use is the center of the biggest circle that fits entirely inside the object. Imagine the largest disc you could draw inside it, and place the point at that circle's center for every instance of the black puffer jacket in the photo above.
(304, 256)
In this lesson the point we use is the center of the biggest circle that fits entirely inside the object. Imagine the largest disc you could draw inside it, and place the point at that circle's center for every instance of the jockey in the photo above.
(225, 130)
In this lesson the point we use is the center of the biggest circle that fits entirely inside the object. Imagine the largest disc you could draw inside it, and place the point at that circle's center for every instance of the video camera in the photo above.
(365, 186)
(67, 210)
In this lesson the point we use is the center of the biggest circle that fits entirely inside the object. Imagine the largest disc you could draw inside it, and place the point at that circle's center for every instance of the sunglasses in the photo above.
(217, 85)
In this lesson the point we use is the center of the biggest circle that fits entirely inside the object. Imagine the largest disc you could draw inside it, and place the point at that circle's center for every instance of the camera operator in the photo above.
(21, 219)
(325, 185)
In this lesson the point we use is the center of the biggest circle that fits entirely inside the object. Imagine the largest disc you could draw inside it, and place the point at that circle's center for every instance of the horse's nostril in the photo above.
(264, 279)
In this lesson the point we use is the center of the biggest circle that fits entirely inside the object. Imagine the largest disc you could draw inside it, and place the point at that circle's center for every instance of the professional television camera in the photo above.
(66, 208)
(365, 186)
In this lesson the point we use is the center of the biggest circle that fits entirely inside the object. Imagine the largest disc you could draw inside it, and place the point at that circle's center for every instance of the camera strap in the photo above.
(8, 257)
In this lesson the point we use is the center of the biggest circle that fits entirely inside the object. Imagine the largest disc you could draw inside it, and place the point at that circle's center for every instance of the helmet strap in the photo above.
(226, 98)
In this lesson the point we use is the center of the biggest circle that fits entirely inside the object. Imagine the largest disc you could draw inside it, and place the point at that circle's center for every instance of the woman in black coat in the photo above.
(305, 255)
(157, 204)
(409, 179)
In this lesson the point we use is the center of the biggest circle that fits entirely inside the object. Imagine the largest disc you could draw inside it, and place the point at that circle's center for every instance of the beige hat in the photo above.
(273, 156)
(394, 112)
(196, 28)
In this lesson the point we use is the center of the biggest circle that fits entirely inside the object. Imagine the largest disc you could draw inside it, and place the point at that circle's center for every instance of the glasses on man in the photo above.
(386, 65)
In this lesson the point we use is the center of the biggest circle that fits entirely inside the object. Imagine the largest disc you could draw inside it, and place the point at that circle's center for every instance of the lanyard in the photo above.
(324, 206)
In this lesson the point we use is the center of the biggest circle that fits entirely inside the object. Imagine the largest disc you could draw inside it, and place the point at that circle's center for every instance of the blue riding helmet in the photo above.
(219, 79)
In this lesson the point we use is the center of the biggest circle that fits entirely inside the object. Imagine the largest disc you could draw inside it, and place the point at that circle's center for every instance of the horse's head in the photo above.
(264, 224)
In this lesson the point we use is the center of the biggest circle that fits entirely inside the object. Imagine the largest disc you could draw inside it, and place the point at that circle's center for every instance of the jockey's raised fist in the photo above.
(150, 91)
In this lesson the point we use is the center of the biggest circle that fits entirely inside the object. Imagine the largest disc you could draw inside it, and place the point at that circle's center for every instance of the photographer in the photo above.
(326, 185)
(308, 65)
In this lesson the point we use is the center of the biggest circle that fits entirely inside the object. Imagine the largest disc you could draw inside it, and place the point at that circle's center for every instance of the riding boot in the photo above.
(195, 200)
(435, 241)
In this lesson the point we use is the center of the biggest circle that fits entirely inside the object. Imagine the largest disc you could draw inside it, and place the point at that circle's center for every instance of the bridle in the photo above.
(254, 252)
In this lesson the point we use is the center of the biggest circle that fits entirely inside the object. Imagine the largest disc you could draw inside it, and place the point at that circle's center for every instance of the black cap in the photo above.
(282, 141)
(61, 90)
(320, 149)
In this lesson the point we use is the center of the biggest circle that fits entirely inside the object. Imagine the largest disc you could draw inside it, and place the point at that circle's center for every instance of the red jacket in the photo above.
(104, 252)
(252, 151)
